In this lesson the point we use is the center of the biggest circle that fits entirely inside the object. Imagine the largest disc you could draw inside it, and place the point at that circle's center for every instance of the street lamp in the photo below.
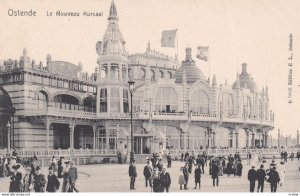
(131, 87)
(8, 136)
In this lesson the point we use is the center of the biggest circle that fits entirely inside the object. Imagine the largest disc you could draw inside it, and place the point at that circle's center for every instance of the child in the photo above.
(197, 177)
(181, 180)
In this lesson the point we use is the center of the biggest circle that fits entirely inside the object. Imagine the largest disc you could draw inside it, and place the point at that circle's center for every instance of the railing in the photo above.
(144, 115)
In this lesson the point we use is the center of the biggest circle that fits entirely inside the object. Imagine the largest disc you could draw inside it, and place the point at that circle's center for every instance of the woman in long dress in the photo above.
(27, 179)
(281, 172)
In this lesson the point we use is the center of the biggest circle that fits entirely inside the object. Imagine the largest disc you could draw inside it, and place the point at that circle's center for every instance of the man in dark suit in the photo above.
(252, 178)
(166, 180)
(73, 175)
(215, 173)
(15, 179)
(273, 179)
(132, 174)
(261, 176)
(185, 172)
(147, 174)
(53, 183)
(39, 180)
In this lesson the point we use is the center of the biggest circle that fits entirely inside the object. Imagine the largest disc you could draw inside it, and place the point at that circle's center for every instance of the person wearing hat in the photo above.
(185, 172)
(66, 178)
(147, 174)
(60, 167)
(261, 176)
(132, 174)
(165, 180)
(215, 173)
(281, 172)
(15, 180)
(156, 180)
(252, 178)
(73, 175)
(39, 181)
(27, 179)
(274, 179)
(53, 183)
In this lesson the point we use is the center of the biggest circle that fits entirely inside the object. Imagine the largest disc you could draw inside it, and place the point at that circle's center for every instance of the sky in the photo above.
(254, 32)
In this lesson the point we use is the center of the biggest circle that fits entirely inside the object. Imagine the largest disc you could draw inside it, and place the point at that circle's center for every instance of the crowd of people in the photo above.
(26, 174)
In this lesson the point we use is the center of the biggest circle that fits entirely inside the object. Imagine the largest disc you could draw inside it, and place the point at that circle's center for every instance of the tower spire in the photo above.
(113, 15)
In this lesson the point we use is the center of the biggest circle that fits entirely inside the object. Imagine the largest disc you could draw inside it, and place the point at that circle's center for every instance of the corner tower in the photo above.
(112, 68)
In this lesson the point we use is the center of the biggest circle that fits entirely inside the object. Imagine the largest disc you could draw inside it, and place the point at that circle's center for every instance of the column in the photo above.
(121, 100)
(247, 138)
(253, 140)
(108, 99)
(71, 127)
(108, 71)
(184, 140)
(98, 101)
(214, 139)
(47, 131)
(120, 72)
(236, 139)
(266, 140)
(126, 71)
(94, 139)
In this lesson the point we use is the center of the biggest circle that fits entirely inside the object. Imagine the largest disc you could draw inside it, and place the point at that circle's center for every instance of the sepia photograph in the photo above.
(131, 96)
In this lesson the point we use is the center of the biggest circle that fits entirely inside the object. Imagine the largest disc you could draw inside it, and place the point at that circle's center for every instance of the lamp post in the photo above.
(131, 86)
(8, 136)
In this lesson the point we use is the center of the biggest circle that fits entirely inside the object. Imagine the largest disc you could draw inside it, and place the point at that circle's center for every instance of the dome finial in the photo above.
(188, 54)
(113, 11)
(244, 68)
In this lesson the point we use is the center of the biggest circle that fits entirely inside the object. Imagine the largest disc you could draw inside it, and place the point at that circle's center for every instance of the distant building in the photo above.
(57, 106)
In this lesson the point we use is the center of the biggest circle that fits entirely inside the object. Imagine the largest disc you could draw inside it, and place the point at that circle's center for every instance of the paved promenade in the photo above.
(114, 178)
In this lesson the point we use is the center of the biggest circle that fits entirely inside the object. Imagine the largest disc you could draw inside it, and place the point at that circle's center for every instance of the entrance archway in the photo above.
(83, 137)
(6, 111)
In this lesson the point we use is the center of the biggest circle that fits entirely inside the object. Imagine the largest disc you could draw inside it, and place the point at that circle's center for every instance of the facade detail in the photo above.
(58, 106)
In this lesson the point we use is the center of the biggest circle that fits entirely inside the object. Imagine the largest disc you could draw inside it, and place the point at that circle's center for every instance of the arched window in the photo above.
(115, 100)
(166, 100)
(42, 100)
(199, 102)
(100, 138)
(152, 75)
(142, 74)
(248, 108)
(161, 74)
(103, 100)
(66, 102)
(125, 101)
(228, 104)
(170, 75)
(89, 104)
(112, 139)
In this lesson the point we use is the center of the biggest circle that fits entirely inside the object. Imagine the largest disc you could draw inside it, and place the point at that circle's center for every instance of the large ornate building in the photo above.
(57, 106)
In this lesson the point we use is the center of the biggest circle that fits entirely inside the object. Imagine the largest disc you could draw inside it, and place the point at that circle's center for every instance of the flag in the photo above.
(168, 38)
(202, 53)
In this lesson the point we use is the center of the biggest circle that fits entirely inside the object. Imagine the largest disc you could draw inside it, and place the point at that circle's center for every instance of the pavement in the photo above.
(114, 178)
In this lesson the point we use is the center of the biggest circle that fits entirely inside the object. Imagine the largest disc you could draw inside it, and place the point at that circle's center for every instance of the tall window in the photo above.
(66, 102)
(42, 100)
(228, 104)
(166, 100)
(112, 139)
(152, 75)
(125, 101)
(115, 100)
(248, 108)
(103, 100)
(199, 102)
(100, 138)
(89, 104)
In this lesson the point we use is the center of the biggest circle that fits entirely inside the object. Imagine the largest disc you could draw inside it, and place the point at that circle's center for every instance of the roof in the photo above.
(189, 69)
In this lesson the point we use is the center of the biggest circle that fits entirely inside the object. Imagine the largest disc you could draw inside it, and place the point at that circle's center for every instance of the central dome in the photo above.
(189, 68)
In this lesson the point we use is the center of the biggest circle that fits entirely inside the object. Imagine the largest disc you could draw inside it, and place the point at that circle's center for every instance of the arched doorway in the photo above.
(83, 137)
(6, 112)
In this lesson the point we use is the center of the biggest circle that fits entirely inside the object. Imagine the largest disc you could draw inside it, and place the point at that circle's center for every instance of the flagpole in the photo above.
(209, 52)
(177, 43)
